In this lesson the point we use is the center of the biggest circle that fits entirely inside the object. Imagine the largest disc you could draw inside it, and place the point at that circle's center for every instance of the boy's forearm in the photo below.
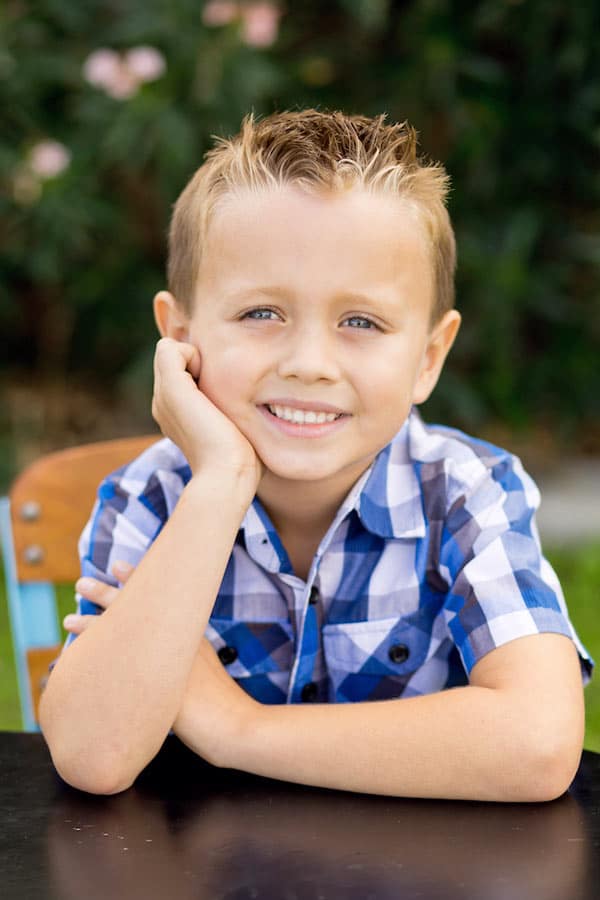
(466, 743)
(115, 692)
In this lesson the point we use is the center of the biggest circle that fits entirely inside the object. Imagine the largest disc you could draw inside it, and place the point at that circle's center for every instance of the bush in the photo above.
(506, 95)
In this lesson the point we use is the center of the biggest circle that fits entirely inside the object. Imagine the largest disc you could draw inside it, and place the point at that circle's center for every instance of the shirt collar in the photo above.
(390, 503)
(386, 497)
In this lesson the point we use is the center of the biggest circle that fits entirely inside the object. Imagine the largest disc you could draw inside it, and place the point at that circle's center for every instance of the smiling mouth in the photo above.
(302, 416)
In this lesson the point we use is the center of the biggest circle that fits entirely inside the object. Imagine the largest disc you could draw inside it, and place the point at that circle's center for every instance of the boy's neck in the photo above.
(301, 509)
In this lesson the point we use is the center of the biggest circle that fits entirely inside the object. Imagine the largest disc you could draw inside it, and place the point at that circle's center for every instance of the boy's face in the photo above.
(317, 300)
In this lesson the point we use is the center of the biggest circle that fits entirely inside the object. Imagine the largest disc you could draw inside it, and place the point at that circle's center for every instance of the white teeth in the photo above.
(302, 417)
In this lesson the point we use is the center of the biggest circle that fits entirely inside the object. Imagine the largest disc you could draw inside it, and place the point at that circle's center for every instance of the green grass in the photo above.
(10, 713)
(578, 570)
(579, 573)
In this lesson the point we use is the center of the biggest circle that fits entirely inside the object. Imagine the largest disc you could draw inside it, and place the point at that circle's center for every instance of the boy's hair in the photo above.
(316, 151)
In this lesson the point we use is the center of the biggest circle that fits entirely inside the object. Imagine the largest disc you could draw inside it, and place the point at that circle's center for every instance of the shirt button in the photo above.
(314, 595)
(309, 692)
(398, 653)
(227, 655)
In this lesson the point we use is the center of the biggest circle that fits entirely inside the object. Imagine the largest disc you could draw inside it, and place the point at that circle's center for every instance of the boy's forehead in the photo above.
(289, 231)
(289, 204)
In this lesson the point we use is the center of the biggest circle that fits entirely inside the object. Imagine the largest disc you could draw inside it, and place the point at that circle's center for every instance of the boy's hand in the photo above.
(98, 592)
(204, 434)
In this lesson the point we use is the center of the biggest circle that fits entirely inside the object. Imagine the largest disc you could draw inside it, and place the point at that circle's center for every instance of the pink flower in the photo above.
(122, 85)
(145, 63)
(102, 67)
(47, 159)
(219, 12)
(261, 24)
(121, 75)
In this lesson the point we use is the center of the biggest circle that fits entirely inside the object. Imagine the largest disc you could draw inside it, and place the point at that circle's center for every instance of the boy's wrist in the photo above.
(224, 482)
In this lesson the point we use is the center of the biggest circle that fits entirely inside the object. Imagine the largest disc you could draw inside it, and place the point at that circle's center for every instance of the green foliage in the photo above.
(507, 95)
(579, 573)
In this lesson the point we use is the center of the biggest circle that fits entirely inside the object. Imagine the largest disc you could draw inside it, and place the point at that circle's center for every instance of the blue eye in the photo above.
(369, 324)
(251, 313)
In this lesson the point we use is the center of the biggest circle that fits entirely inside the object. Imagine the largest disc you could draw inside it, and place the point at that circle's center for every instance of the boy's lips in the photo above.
(304, 429)
(306, 406)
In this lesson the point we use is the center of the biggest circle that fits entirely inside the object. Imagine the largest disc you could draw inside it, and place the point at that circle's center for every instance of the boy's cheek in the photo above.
(219, 385)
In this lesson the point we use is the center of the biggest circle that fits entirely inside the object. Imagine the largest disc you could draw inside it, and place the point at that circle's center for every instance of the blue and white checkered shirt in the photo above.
(432, 560)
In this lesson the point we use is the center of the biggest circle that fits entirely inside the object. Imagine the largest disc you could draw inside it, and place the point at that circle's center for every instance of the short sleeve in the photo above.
(501, 587)
(128, 514)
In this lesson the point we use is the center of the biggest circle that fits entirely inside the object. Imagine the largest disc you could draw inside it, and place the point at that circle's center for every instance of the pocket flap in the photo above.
(379, 647)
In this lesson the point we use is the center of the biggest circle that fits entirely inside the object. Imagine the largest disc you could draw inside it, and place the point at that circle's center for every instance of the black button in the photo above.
(227, 655)
(314, 595)
(398, 653)
(309, 692)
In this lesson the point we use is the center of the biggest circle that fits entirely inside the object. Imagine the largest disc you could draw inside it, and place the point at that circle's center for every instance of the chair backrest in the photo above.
(41, 520)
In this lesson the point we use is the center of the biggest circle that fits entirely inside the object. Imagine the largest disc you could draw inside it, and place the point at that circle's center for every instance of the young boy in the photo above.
(314, 566)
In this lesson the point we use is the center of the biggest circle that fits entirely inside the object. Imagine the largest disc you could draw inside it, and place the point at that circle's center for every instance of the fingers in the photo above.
(177, 368)
(179, 354)
(76, 624)
(122, 570)
(98, 592)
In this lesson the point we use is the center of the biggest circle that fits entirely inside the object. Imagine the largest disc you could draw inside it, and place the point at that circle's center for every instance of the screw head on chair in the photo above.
(33, 555)
(30, 511)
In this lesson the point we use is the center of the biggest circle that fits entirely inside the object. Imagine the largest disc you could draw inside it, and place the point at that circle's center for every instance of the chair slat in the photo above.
(41, 521)
(52, 500)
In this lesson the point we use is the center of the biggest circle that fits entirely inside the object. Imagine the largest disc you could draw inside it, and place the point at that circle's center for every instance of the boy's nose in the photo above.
(309, 355)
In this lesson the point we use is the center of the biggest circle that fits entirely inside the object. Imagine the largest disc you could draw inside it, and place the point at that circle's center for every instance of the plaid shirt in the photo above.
(433, 559)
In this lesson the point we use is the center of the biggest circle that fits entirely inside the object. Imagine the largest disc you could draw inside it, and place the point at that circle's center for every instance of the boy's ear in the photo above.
(170, 319)
(439, 343)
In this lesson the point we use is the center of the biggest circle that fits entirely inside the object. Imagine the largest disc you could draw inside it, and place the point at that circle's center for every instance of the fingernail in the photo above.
(85, 584)
(121, 567)
(70, 620)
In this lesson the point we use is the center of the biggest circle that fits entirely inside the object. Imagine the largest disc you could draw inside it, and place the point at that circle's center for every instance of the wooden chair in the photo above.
(40, 524)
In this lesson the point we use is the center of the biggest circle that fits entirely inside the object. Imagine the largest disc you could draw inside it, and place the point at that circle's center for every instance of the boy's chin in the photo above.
(298, 475)
(309, 470)
(300, 472)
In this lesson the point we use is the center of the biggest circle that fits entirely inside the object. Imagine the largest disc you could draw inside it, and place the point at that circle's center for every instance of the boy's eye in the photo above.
(266, 314)
(262, 312)
(366, 324)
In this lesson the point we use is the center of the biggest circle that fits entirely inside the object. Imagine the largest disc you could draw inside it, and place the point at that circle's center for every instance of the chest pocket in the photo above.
(259, 655)
(374, 660)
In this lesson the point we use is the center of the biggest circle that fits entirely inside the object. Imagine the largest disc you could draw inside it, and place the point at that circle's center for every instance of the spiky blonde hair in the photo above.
(315, 151)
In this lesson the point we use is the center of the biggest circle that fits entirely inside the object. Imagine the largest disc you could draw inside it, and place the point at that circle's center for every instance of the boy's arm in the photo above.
(115, 691)
(515, 733)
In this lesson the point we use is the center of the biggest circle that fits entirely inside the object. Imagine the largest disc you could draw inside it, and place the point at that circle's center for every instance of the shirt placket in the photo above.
(302, 688)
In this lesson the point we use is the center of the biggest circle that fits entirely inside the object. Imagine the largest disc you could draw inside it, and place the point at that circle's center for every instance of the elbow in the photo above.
(547, 771)
(90, 778)
(103, 783)
(85, 769)
(91, 766)
(553, 773)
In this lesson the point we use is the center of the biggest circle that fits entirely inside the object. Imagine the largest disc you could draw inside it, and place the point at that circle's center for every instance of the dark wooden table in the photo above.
(187, 830)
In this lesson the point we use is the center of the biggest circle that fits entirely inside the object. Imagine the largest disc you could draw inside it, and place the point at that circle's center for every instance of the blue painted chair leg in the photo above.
(32, 615)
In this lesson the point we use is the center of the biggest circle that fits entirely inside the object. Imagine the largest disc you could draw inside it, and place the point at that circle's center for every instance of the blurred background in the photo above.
(106, 110)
